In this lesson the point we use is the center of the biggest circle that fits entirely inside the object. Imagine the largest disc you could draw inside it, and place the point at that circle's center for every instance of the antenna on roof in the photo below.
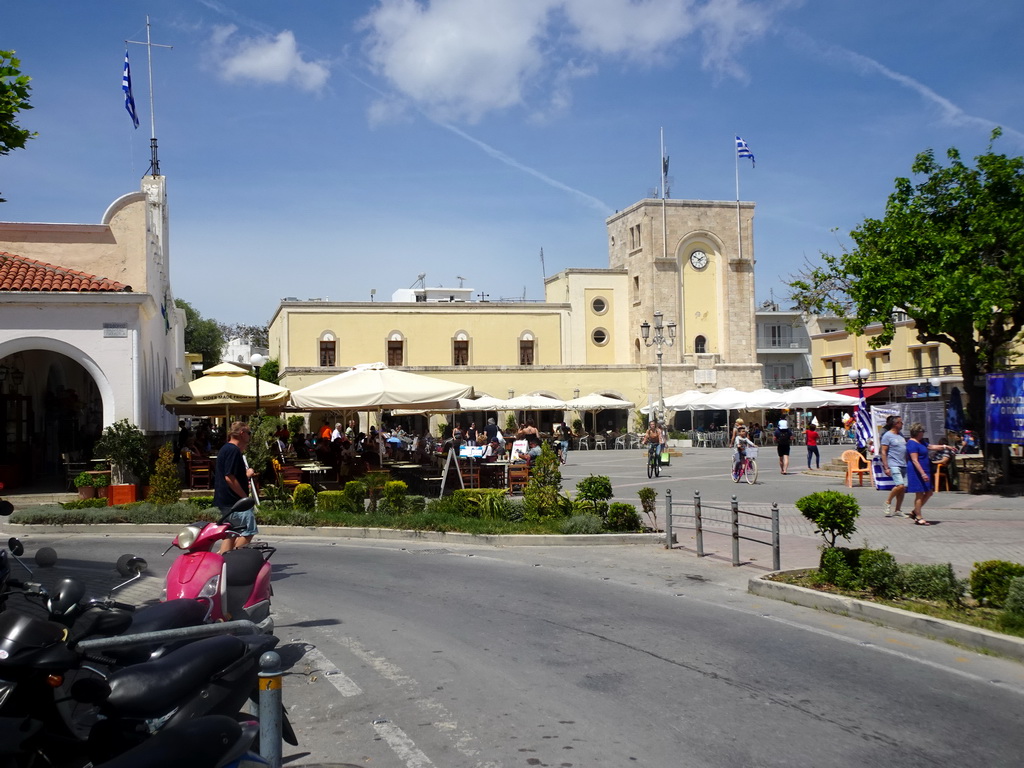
(543, 270)
(461, 280)
(420, 278)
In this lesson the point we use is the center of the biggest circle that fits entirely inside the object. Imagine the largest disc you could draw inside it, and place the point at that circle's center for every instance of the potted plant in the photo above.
(83, 482)
(100, 482)
(127, 449)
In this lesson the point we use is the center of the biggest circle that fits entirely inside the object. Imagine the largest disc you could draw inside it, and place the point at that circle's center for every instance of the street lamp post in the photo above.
(660, 339)
(257, 361)
(858, 377)
(862, 427)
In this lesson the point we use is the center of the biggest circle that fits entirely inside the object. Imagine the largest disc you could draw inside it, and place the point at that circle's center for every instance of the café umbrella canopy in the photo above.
(222, 390)
(531, 403)
(596, 402)
(374, 387)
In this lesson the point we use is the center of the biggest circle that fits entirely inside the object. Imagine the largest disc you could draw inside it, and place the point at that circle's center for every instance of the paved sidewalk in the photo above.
(966, 529)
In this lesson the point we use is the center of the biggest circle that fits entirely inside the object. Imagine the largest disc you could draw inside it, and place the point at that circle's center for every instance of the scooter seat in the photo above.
(242, 566)
(172, 614)
(153, 688)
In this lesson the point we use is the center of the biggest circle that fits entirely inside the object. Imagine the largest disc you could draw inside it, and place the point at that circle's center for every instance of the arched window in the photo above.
(460, 348)
(527, 347)
(328, 350)
(700, 345)
(396, 349)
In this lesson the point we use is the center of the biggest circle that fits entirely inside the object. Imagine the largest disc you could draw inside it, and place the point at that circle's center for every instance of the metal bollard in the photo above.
(735, 532)
(270, 708)
(698, 521)
(668, 519)
(776, 554)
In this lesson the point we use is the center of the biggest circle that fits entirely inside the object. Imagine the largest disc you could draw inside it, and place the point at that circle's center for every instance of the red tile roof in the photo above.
(18, 273)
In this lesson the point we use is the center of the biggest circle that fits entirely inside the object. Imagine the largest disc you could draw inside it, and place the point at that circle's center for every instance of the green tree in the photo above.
(949, 252)
(201, 335)
(270, 371)
(256, 335)
(14, 93)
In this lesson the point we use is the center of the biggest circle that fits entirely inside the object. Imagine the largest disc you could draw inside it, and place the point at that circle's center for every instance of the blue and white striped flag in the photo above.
(126, 86)
(863, 424)
(742, 150)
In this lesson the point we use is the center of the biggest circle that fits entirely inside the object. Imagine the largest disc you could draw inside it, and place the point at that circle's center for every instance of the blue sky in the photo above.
(324, 149)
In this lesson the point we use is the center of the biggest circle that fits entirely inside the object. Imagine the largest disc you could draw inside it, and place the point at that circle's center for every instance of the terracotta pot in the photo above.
(86, 492)
(101, 491)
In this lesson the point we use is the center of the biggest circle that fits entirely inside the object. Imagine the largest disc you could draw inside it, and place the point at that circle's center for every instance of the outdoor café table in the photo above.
(492, 474)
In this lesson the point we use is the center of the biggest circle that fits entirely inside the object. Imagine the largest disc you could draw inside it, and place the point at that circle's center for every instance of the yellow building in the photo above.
(679, 258)
(898, 370)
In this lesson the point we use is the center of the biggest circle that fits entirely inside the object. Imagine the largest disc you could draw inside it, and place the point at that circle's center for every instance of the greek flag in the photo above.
(742, 150)
(126, 86)
(863, 424)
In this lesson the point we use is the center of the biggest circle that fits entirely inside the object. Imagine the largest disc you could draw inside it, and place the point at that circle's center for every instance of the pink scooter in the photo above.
(233, 586)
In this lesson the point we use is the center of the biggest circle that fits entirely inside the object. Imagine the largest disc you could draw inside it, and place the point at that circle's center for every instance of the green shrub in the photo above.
(592, 494)
(491, 503)
(623, 518)
(991, 579)
(331, 501)
(838, 567)
(304, 497)
(355, 496)
(582, 524)
(375, 482)
(415, 503)
(1013, 614)
(446, 505)
(833, 513)
(393, 497)
(202, 502)
(83, 480)
(542, 496)
(932, 582)
(84, 503)
(649, 504)
(165, 481)
(879, 572)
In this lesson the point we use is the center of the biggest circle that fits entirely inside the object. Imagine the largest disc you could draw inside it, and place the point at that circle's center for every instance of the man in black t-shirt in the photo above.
(231, 478)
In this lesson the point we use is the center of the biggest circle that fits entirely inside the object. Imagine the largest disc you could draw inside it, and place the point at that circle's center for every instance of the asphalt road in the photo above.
(410, 655)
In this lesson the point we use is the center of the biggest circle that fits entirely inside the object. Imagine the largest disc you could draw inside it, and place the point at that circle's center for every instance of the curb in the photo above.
(905, 621)
(495, 540)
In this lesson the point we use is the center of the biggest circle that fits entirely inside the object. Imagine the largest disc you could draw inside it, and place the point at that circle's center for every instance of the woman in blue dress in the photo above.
(919, 481)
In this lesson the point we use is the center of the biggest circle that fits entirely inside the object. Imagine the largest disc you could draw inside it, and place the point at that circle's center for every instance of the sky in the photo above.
(339, 149)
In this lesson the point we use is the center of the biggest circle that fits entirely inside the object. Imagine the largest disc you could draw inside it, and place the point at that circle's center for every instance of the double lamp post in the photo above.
(660, 339)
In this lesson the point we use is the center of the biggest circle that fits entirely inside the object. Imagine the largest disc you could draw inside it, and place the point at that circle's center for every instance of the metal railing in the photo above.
(905, 375)
(734, 526)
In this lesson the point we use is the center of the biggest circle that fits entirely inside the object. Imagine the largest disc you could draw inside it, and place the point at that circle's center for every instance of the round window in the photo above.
(599, 305)
(600, 336)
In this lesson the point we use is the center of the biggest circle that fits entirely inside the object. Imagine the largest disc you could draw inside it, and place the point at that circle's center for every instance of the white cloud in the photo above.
(461, 59)
(265, 59)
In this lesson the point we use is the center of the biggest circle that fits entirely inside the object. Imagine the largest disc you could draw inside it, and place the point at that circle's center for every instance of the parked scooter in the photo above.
(235, 585)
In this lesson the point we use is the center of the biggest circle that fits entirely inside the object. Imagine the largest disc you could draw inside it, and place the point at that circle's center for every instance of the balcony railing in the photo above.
(901, 375)
(774, 343)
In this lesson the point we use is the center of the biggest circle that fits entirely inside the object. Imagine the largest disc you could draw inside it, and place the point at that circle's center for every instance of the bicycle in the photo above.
(747, 469)
(653, 462)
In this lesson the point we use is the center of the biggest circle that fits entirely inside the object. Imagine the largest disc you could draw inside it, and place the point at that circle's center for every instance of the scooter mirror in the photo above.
(131, 565)
(16, 547)
(243, 504)
(6, 508)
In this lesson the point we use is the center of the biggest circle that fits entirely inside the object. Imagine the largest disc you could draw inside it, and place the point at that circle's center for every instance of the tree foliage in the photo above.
(949, 252)
(256, 335)
(201, 335)
(14, 95)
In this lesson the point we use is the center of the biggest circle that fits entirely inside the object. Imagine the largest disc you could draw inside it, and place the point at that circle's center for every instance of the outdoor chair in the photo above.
(583, 444)
(600, 442)
(200, 473)
(635, 440)
(855, 465)
(620, 441)
(518, 478)
(287, 476)
(72, 469)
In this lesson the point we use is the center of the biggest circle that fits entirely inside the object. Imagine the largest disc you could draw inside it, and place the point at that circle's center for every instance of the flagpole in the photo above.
(739, 233)
(154, 161)
(664, 223)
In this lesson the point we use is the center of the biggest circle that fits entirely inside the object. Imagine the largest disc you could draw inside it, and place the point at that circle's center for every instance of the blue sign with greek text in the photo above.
(1004, 408)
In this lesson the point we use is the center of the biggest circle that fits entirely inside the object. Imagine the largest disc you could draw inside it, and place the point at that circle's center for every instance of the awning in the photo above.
(868, 391)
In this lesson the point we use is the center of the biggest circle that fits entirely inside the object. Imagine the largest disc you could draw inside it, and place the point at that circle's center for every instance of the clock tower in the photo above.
(693, 261)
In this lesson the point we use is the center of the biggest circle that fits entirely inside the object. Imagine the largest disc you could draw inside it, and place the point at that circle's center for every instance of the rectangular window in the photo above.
(460, 353)
(526, 352)
(915, 357)
(395, 353)
(328, 350)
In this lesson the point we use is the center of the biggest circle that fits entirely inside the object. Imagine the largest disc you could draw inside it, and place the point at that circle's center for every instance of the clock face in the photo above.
(699, 259)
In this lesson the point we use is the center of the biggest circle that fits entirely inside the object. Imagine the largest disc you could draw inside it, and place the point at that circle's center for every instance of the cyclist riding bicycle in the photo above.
(655, 437)
(740, 445)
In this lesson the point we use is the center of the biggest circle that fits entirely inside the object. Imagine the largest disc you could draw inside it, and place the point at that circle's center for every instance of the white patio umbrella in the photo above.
(222, 390)
(727, 399)
(809, 397)
(374, 386)
(762, 399)
(596, 402)
(531, 403)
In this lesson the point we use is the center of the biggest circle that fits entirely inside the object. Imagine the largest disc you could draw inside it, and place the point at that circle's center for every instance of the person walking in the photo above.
(894, 464)
(812, 446)
(231, 478)
(919, 481)
(783, 441)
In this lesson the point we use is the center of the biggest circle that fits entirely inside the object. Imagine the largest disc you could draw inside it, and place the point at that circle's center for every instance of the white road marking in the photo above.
(345, 685)
(402, 745)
